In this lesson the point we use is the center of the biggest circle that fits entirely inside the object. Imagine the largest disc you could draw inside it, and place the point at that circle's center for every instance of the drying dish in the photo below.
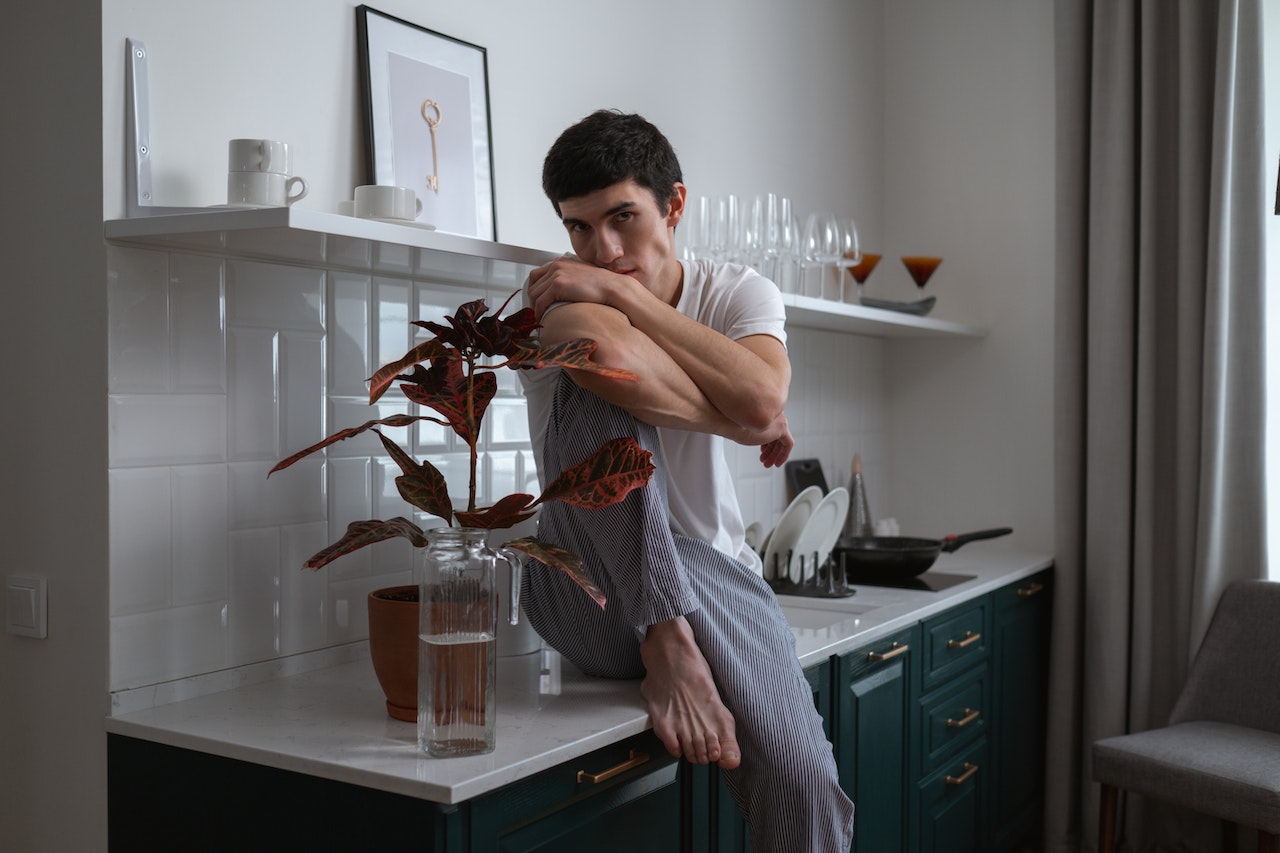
(783, 538)
(819, 535)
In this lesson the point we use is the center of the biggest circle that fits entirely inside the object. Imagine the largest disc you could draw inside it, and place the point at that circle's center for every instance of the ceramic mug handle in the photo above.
(295, 181)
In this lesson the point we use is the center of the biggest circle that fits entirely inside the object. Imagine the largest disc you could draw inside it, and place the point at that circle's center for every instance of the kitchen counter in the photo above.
(330, 722)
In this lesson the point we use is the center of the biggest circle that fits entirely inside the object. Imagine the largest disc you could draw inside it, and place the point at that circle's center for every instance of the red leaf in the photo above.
(509, 511)
(421, 485)
(603, 478)
(381, 381)
(575, 354)
(444, 388)
(362, 533)
(342, 435)
(558, 558)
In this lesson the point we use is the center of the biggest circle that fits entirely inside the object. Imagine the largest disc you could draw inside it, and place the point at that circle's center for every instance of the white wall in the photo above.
(53, 437)
(757, 95)
(969, 166)
(806, 98)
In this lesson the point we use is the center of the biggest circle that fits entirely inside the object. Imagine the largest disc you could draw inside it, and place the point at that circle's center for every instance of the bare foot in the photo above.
(684, 704)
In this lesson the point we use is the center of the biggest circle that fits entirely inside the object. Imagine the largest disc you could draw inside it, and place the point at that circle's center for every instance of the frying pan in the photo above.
(895, 558)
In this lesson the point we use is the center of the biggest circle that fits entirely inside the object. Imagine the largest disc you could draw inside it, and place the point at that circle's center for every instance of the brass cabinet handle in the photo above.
(969, 639)
(970, 715)
(637, 758)
(894, 650)
(1028, 591)
(969, 770)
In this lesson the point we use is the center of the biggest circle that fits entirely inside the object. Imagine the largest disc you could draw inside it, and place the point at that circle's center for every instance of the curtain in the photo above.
(1159, 359)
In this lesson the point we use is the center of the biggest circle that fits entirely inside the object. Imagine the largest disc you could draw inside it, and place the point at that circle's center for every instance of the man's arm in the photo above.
(664, 394)
(744, 381)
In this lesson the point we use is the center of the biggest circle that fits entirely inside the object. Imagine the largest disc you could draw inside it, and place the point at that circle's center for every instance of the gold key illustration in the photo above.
(430, 107)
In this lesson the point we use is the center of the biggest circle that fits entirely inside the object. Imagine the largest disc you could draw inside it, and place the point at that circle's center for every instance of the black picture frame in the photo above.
(426, 114)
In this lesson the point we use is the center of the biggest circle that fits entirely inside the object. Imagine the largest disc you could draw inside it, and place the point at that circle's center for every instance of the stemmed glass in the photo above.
(697, 227)
(861, 270)
(821, 246)
(921, 269)
(726, 237)
(850, 255)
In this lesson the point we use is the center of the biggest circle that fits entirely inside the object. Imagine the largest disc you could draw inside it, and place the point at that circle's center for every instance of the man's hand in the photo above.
(569, 279)
(776, 451)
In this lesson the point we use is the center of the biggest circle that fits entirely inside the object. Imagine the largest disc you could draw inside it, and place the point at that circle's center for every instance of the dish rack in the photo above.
(827, 581)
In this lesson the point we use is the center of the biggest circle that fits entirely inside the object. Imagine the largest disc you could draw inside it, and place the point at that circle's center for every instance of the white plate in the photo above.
(755, 532)
(819, 534)
(783, 538)
(408, 223)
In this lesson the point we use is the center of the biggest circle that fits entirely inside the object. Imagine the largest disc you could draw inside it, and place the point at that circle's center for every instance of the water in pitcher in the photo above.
(458, 670)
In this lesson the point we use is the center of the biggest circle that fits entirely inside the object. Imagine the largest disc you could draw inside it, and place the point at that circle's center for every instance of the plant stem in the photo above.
(472, 427)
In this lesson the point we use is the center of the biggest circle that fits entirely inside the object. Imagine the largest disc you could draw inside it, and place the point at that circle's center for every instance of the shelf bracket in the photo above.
(139, 196)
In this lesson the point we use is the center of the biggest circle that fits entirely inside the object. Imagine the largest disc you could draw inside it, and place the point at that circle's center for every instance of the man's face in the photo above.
(621, 229)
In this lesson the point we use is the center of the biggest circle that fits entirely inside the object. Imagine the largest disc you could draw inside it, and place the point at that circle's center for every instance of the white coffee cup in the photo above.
(259, 155)
(375, 201)
(264, 188)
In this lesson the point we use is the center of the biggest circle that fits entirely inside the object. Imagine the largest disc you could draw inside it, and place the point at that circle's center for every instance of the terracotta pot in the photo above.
(393, 645)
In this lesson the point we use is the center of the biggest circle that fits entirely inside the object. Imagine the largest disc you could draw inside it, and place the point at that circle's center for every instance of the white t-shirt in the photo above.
(737, 302)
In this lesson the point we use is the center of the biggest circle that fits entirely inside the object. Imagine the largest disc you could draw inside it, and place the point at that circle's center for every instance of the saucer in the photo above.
(408, 223)
(244, 205)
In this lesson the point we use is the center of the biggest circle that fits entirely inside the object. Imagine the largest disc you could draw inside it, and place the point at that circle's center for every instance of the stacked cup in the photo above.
(260, 174)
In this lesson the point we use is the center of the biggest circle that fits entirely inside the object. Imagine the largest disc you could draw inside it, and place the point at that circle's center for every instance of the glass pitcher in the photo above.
(457, 639)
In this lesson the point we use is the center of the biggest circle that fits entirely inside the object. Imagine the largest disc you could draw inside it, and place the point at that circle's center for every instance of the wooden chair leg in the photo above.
(1107, 819)
(1266, 842)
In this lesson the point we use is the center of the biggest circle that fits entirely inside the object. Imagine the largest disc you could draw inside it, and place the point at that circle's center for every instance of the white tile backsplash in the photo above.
(220, 366)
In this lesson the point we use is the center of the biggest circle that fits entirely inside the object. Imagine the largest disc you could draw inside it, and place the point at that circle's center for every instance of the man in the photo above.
(687, 608)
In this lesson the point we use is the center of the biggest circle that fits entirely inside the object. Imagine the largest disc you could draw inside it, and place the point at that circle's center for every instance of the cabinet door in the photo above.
(1020, 665)
(168, 798)
(952, 804)
(873, 737)
(625, 798)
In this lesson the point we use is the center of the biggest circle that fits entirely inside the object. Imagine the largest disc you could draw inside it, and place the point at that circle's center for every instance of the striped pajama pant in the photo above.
(786, 784)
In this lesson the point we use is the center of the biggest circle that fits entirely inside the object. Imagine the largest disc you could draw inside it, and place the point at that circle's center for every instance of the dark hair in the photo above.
(605, 148)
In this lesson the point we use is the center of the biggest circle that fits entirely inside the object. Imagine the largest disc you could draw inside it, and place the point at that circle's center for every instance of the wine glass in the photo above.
(694, 237)
(821, 246)
(849, 256)
(921, 268)
(726, 238)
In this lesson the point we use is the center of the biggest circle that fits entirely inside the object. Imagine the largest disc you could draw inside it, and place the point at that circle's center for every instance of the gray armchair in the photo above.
(1220, 753)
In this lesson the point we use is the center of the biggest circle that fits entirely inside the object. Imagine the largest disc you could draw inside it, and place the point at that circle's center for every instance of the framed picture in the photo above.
(426, 115)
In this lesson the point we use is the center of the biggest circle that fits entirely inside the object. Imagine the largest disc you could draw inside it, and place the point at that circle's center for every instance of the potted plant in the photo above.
(452, 375)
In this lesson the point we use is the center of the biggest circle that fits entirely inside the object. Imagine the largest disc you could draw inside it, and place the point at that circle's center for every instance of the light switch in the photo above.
(26, 606)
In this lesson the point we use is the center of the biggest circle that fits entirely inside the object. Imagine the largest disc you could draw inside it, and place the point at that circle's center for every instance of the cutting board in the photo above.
(800, 474)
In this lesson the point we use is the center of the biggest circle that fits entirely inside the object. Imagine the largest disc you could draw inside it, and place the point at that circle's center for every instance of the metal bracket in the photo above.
(139, 197)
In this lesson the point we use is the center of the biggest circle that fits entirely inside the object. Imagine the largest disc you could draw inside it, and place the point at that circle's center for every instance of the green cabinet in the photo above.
(625, 798)
(1020, 665)
(872, 736)
(162, 797)
(951, 706)
(940, 727)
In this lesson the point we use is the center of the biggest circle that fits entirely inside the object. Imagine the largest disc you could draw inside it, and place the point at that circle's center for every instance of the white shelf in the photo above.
(814, 313)
(304, 237)
(298, 236)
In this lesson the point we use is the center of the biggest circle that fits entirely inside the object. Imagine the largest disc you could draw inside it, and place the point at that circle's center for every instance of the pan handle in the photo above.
(954, 541)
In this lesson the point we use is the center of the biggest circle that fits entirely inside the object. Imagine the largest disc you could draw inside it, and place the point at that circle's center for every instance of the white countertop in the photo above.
(331, 722)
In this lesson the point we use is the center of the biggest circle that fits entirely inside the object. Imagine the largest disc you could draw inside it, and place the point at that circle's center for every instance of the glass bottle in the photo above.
(457, 640)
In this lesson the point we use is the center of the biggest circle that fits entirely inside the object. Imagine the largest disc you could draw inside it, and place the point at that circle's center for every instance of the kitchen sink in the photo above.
(814, 619)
